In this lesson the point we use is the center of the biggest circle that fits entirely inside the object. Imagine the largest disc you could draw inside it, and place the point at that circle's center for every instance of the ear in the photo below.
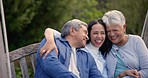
(72, 31)
(124, 27)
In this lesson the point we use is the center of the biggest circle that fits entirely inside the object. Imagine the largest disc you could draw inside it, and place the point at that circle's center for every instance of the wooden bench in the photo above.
(21, 57)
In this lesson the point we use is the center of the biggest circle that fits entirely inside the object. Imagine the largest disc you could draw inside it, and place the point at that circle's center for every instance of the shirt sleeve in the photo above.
(57, 34)
(53, 67)
(143, 57)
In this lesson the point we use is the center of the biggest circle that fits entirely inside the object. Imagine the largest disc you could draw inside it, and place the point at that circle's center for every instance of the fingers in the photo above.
(46, 54)
(42, 51)
(136, 72)
(140, 75)
(56, 50)
(133, 73)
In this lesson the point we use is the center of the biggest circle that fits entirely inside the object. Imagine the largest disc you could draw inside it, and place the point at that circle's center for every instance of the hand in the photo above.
(133, 73)
(49, 45)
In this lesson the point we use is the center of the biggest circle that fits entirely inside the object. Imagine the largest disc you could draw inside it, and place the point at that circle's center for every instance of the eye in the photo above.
(102, 32)
(85, 31)
(108, 31)
(115, 30)
(95, 32)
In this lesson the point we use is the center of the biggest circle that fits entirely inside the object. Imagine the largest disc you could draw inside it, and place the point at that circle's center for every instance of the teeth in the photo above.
(98, 41)
(113, 38)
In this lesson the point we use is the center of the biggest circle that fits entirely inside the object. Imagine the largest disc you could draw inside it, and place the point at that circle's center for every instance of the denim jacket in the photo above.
(56, 66)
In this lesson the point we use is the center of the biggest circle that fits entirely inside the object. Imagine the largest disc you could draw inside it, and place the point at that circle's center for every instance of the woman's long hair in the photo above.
(107, 45)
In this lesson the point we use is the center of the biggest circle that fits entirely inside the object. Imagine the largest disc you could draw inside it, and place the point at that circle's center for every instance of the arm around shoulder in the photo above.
(51, 66)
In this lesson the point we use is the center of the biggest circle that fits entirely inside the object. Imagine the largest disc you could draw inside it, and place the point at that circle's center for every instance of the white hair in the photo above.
(114, 17)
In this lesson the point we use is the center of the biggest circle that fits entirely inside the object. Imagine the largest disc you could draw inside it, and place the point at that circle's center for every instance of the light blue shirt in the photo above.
(120, 67)
(56, 66)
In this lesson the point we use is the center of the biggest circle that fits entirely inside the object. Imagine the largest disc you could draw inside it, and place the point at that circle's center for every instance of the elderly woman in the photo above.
(129, 54)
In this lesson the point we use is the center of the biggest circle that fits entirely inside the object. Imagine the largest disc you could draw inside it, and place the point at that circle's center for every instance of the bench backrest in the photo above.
(21, 56)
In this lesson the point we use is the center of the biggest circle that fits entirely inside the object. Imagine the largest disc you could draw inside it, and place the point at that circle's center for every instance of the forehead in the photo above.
(97, 27)
(113, 27)
(83, 27)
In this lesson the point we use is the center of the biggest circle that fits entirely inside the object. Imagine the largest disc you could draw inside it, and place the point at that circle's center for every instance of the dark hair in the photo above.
(107, 45)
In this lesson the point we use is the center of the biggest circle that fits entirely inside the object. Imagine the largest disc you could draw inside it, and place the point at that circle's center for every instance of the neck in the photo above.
(71, 41)
(123, 41)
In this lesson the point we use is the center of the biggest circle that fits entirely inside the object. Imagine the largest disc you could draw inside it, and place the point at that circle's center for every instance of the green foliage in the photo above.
(19, 73)
(19, 16)
(88, 11)
(26, 20)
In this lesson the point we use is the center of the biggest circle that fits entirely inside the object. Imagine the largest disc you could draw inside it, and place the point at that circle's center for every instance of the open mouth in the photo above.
(98, 41)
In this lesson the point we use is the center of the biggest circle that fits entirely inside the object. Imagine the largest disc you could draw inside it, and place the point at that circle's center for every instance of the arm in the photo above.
(50, 44)
(52, 66)
(142, 54)
(143, 57)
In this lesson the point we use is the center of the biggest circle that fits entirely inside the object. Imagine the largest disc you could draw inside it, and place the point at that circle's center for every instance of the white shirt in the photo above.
(73, 63)
(96, 54)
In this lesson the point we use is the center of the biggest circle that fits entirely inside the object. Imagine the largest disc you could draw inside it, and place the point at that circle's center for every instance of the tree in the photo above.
(26, 20)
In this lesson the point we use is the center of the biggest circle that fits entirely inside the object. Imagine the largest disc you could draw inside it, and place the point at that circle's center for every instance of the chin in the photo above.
(113, 41)
(82, 46)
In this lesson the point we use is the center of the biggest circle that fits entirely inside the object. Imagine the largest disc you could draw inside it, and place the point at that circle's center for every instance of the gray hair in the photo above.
(75, 23)
(114, 17)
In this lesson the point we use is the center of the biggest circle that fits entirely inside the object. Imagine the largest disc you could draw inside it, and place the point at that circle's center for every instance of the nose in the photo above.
(99, 35)
(87, 37)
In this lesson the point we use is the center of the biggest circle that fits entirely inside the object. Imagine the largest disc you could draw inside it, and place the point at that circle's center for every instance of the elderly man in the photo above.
(71, 61)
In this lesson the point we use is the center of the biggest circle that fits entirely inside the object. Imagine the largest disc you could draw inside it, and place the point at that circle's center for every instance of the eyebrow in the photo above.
(85, 31)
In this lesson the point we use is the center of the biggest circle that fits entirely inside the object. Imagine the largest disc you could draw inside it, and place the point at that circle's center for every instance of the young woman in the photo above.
(98, 44)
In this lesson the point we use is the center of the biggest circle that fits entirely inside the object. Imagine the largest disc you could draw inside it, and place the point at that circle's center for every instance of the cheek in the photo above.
(108, 33)
(92, 37)
(104, 37)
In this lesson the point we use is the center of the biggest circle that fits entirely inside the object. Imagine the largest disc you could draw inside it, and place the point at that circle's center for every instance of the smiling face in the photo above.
(97, 35)
(116, 33)
(116, 25)
(80, 37)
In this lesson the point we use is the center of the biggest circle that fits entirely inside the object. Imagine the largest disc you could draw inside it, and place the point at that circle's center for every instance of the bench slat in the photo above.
(24, 68)
(13, 70)
(33, 61)
(20, 56)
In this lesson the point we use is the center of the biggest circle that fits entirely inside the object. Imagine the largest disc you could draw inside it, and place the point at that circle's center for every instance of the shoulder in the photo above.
(62, 44)
(85, 53)
(136, 40)
(85, 49)
(134, 36)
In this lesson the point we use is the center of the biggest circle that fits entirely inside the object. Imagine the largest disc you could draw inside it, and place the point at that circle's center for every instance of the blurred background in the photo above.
(26, 20)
